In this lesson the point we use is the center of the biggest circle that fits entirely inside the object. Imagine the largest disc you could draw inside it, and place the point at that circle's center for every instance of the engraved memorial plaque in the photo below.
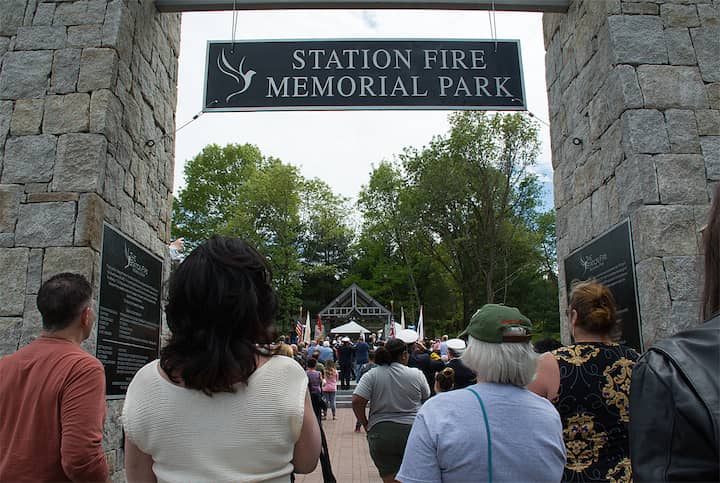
(128, 309)
(609, 260)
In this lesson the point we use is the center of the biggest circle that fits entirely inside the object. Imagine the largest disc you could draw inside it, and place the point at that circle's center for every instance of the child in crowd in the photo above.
(330, 386)
(315, 386)
(445, 380)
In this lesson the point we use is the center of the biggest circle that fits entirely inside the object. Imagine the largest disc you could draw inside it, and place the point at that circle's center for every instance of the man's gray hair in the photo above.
(506, 363)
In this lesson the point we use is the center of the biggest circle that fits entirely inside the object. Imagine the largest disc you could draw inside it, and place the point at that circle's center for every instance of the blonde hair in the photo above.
(284, 350)
(329, 368)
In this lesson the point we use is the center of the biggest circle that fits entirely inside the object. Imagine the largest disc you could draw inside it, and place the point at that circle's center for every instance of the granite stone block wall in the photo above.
(87, 121)
(634, 99)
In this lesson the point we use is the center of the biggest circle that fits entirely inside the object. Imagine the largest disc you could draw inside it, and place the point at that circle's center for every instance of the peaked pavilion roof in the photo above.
(354, 302)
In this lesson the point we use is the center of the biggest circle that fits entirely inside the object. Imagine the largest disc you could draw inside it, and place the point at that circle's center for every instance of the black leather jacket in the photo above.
(675, 408)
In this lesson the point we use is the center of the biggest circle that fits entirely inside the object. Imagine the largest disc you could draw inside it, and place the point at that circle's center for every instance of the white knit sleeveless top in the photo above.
(244, 436)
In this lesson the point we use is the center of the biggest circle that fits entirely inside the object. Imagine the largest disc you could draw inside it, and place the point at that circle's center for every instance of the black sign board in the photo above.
(128, 309)
(608, 259)
(364, 74)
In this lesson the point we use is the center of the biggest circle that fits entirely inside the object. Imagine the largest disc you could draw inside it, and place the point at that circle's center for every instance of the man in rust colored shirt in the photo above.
(52, 393)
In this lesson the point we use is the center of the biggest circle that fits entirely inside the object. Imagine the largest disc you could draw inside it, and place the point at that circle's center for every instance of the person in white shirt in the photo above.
(215, 406)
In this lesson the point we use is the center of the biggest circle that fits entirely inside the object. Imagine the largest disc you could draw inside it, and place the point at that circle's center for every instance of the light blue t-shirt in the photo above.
(443, 349)
(326, 353)
(448, 441)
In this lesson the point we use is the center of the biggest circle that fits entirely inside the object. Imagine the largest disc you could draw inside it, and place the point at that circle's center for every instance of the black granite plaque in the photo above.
(608, 259)
(128, 309)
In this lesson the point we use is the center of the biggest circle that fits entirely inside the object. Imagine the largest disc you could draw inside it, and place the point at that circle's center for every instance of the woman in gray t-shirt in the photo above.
(395, 393)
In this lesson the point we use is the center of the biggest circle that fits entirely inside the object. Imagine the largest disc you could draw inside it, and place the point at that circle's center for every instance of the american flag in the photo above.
(299, 329)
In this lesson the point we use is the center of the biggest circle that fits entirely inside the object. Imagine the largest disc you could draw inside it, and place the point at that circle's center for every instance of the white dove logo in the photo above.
(242, 78)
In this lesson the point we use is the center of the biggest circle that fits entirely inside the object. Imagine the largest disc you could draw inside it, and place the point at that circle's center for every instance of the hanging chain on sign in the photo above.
(234, 26)
(493, 24)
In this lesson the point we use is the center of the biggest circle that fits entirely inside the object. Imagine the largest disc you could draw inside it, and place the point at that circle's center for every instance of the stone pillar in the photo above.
(634, 96)
(87, 121)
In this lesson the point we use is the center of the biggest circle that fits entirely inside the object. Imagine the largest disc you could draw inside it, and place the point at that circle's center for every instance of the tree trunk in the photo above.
(411, 275)
(489, 287)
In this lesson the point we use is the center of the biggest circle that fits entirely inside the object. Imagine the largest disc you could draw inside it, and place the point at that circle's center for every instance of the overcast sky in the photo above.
(340, 147)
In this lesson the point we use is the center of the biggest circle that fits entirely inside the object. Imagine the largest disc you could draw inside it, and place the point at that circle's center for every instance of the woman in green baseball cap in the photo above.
(495, 430)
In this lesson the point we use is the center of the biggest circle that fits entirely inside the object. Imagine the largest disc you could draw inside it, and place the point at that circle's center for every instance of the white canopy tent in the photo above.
(351, 327)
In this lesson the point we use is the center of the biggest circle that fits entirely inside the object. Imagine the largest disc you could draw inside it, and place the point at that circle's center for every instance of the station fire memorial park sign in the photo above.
(364, 74)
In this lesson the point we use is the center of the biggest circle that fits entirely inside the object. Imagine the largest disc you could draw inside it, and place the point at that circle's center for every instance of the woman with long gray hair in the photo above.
(495, 430)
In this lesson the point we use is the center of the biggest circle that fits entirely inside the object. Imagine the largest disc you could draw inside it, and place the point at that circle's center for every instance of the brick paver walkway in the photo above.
(349, 455)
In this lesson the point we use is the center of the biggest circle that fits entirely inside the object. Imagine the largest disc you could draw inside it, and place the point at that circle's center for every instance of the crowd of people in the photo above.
(226, 401)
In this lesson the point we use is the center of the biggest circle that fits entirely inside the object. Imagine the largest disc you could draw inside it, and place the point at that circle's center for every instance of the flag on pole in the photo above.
(299, 326)
(299, 329)
(391, 331)
(420, 331)
(307, 329)
(402, 317)
(318, 328)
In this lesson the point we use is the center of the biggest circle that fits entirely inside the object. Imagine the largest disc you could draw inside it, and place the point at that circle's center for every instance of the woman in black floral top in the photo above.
(589, 383)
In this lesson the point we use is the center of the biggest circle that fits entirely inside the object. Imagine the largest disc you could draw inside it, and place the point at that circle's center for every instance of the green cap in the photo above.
(499, 323)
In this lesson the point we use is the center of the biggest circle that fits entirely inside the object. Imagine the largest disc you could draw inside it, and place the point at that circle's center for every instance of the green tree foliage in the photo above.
(474, 198)
(546, 229)
(213, 179)
(391, 263)
(299, 225)
(386, 223)
(325, 243)
(327, 236)
(267, 214)
(456, 224)
(450, 226)
(541, 294)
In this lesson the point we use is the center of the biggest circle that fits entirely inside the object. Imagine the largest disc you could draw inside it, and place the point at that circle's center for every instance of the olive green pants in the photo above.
(387, 441)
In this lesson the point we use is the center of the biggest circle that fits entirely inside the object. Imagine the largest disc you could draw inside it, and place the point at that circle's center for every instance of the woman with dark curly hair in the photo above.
(589, 383)
(215, 406)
